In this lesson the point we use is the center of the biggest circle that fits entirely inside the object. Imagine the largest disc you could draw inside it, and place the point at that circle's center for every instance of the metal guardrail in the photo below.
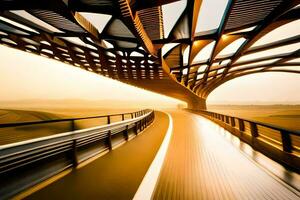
(27, 163)
(73, 120)
(280, 144)
(16, 132)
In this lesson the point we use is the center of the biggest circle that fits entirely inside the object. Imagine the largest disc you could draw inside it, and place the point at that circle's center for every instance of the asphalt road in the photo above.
(202, 164)
(116, 175)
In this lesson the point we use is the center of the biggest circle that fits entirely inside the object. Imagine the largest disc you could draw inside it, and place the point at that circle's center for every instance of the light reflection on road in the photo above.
(206, 162)
(268, 164)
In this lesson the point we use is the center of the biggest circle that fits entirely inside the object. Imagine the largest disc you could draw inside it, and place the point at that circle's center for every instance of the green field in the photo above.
(286, 116)
(21, 133)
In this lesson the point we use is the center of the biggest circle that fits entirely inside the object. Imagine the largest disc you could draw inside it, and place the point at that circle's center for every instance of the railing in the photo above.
(27, 163)
(29, 130)
(73, 120)
(280, 144)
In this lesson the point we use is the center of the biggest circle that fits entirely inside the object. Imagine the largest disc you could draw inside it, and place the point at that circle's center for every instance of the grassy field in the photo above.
(11, 135)
(286, 116)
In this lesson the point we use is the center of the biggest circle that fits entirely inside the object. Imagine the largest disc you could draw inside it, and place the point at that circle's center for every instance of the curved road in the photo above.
(116, 175)
(202, 164)
(199, 164)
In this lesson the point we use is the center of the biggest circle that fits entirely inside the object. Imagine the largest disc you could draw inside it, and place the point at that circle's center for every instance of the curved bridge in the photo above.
(26, 163)
(168, 160)
(127, 40)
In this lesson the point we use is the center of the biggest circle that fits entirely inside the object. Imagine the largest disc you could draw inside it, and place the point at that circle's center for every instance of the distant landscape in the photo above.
(40, 110)
(286, 116)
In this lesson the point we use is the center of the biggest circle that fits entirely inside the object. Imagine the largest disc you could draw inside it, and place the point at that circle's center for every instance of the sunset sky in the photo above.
(276, 87)
(27, 76)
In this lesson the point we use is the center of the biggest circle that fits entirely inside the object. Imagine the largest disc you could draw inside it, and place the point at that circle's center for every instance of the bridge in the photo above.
(129, 41)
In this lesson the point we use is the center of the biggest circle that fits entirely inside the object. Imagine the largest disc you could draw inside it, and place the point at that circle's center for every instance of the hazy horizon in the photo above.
(66, 103)
(84, 103)
(61, 100)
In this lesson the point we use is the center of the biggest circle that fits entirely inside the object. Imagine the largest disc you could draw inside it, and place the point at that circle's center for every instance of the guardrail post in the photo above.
(142, 124)
(122, 117)
(125, 133)
(226, 119)
(286, 141)
(72, 125)
(131, 115)
(108, 119)
(136, 128)
(147, 120)
(232, 121)
(241, 125)
(74, 153)
(253, 128)
(109, 140)
(139, 126)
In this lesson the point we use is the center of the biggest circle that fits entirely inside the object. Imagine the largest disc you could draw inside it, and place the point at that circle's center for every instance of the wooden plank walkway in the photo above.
(201, 164)
(116, 175)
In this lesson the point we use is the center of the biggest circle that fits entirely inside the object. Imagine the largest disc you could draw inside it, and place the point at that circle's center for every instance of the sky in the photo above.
(28, 76)
(265, 88)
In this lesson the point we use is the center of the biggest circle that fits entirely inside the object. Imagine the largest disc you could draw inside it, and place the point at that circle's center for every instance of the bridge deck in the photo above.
(201, 164)
(116, 175)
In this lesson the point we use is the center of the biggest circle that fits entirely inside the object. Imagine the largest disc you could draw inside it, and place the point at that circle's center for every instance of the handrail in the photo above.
(282, 145)
(74, 132)
(260, 123)
(29, 162)
(6, 125)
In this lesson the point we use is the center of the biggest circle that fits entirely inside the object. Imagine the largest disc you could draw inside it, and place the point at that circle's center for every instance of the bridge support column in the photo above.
(197, 104)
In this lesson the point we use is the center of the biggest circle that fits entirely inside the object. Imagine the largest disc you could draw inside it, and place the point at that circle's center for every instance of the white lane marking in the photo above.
(148, 184)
